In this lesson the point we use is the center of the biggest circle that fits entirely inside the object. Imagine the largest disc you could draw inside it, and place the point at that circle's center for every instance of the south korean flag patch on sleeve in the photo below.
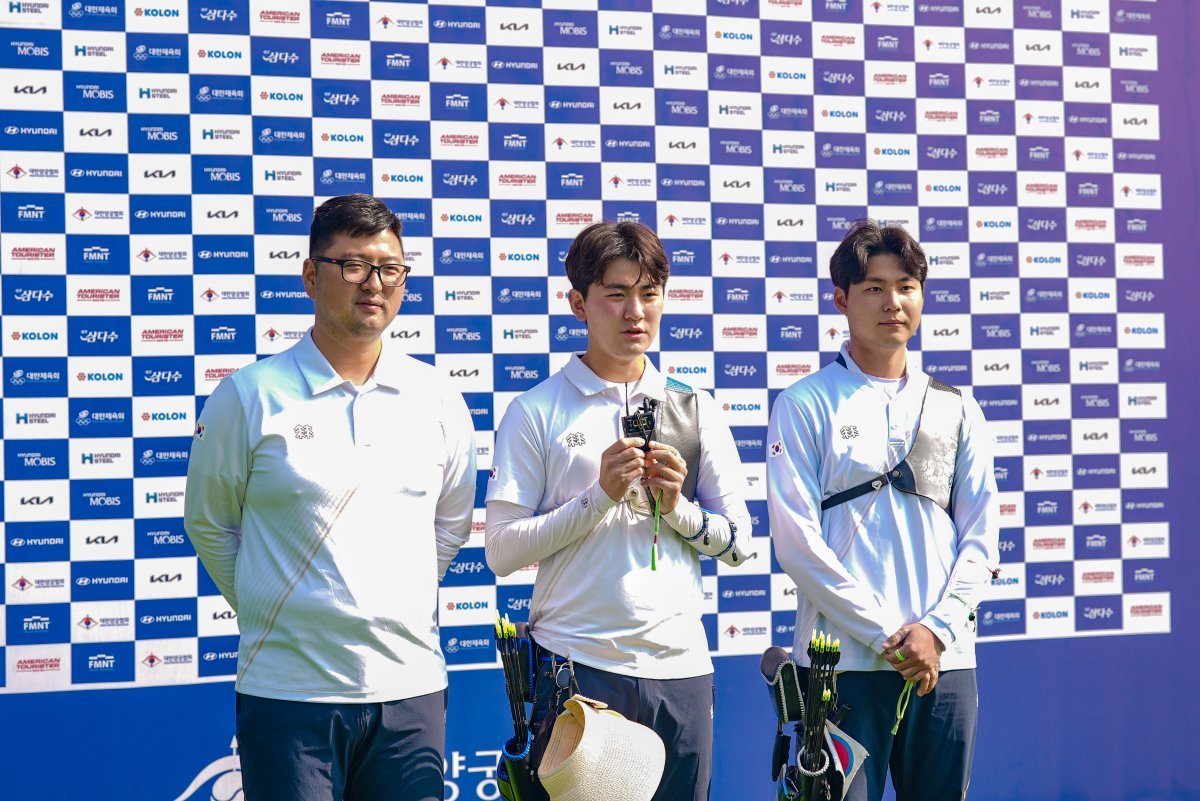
(775, 449)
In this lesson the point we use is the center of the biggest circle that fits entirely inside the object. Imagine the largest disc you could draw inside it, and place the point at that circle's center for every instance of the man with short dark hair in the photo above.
(615, 603)
(329, 488)
(880, 492)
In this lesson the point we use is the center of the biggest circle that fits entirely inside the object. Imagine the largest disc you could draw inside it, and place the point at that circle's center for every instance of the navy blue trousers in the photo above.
(930, 755)
(302, 751)
(679, 710)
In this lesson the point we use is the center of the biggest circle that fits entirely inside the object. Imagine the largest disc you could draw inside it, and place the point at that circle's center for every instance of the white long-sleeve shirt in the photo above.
(595, 597)
(326, 514)
(888, 558)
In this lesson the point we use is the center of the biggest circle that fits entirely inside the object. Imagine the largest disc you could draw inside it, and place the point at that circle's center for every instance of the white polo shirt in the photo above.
(326, 514)
(873, 564)
(596, 598)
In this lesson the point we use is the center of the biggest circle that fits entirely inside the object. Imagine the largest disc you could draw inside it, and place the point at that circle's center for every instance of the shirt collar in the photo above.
(321, 377)
(652, 383)
(915, 376)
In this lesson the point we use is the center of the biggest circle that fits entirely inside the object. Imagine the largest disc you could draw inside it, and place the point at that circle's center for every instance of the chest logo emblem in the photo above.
(303, 432)
(848, 432)
(574, 440)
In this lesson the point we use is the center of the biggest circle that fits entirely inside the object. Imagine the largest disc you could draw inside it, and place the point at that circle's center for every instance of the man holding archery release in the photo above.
(881, 491)
(576, 491)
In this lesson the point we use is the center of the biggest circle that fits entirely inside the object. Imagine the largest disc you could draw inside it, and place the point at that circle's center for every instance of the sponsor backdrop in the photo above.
(159, 163)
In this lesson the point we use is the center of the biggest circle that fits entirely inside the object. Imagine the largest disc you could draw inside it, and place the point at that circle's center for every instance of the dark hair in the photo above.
(602, 243)
(866, 238)
(350, 215)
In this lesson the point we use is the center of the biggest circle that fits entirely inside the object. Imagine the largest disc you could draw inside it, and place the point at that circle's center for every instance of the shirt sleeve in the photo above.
(973, 507)
(516, 536)
(794, 506)
(452, 520)
(720, 491)
(218, 469)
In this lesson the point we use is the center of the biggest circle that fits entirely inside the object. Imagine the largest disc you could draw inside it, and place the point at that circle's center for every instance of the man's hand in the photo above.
(665, 470)
(621, 465)
(916, 653)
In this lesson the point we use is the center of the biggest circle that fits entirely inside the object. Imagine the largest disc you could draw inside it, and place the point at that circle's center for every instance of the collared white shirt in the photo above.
(326, 513)
(873, 564)
(596, 598)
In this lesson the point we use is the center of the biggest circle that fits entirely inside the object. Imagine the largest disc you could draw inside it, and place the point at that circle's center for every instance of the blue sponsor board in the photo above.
(520, 295)
(36, 460)
(32, 213)
(106, 173)
(469, 568)
(224, 254)
(332, 19)
(513, 600)
(222, 175)
(94, 91)
(282, 215)
(43, 541)
(219, 16)
(514, 65)
(783, 629)
(164, 618)
(282, 136)
(518, 218)
(1012, 546)
(217, 656)
(155, 457)
(458, 102)
(281, 57)
(1098, 542)
(467, 179)
(98, 336)
(573, 105)
(1099, 612)
(400, 139)
(788, 332)
(469, 644)
(31, 49)
(108, 580)
(341, 98)
(102, 499)
(517, 142)
(102, 417)
(157, 52)
(691, 332)
(31, 130)
(34, 295)
(457, 25)
(1049, 579)
(335, 176)
(102, 16)
(103, 662)
(744, 593)
(1045, 437)
(220, 94)
(160, 537)
(1001, 618)
(750, 442)
(568, 335)
(479, 404)
(739, 296)
(163, 375)
(224, 334)
(463, 334)
(740, 370)
(37, 624)
(517, 373)
(35, 377)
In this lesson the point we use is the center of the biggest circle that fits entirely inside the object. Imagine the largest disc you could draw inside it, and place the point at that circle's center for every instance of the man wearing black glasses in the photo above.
(329, 488)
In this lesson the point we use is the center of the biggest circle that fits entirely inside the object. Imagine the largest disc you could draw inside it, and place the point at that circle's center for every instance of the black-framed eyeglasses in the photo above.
(357, 271)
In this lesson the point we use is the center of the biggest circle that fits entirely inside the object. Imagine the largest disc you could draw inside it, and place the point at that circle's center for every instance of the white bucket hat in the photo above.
(595, 754)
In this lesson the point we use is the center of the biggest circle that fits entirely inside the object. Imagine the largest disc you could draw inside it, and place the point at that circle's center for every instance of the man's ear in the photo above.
(308, 275)
(839, 299)
(575, 298)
